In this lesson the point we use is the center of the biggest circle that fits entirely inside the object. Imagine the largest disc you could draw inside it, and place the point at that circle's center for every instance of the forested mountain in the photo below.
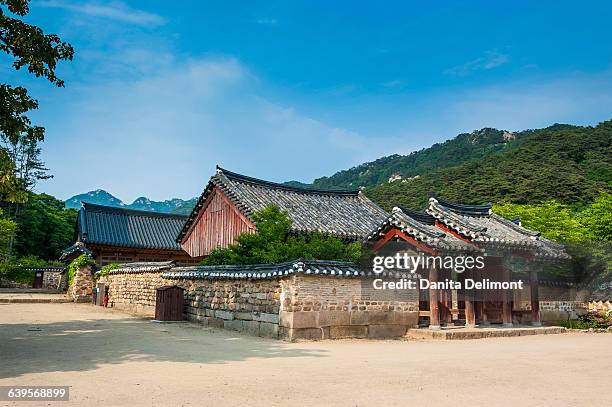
(463, 148)
(570, 164)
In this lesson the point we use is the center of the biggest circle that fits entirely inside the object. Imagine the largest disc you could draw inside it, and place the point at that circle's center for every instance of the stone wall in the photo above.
(556, 303)
(319, 307)
(82, 285)
(55, 280)
(250, 306)
(134, 292)
(293, 307)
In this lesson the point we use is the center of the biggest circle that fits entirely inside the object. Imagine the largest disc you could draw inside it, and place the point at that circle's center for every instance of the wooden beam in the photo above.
(395, 232)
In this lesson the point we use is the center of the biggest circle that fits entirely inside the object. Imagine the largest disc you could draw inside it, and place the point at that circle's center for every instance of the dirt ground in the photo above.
(111, 359)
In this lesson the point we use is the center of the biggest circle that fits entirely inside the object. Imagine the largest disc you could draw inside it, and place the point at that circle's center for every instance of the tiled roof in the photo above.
(341, 213)
(481, 225)
(112, 226)
(267, 271)
(78, 247)
(420, 226)
(329, 268)
(50, 269)
(143, 267)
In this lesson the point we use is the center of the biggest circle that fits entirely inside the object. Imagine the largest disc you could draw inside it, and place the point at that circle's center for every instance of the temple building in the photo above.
(509, 251)
(118, 235)
(318, 299)
(225, 209)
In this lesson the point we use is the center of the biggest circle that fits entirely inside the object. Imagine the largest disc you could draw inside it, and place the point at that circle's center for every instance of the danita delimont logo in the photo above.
(402, 263)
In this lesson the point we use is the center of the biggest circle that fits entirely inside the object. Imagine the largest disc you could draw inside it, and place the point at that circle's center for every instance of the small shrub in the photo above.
(104, 270)
(592, 319)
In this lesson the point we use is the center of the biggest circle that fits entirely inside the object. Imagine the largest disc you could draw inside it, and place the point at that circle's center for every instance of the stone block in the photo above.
(227, 315)
(372, 317)
(293, 334)
(348, 331)
(265, 317)
(233, 325)
(299, 319)
(331, 318)
(216, 322)
(407, 318)
(245, 316)
(386, 331)
(250, 327)
(268, 330)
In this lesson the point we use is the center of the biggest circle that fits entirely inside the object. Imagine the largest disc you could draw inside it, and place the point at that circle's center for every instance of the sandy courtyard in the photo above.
(111, 359)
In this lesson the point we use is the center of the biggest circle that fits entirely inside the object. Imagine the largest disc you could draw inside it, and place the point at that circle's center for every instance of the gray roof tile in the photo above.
(341, 213)
(111, 226)
(481, 225)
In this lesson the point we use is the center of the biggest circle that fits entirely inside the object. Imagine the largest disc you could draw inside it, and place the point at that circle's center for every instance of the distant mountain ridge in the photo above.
(102, 197)
(465, 147)
(568, 163)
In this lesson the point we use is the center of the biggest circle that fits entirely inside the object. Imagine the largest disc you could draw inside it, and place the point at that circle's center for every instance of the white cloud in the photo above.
(113, 10)
(162, 135)
(489, 61)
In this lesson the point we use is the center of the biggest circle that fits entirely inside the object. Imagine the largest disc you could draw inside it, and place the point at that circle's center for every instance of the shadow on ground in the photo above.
(83, 345)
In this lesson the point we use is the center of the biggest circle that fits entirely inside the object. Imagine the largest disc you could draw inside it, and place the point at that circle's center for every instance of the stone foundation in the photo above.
(317, 307)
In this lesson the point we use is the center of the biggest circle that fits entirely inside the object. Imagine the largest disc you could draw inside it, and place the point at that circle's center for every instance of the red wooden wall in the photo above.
(218, 223)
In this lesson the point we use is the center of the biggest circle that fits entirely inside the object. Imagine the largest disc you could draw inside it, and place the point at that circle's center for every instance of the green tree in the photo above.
(273, 242)
(27, 46)
(7, 233)
(44, 227)
(597, 218)
(554, 219)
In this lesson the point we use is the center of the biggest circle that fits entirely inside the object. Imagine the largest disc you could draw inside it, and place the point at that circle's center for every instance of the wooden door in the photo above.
(38, 279)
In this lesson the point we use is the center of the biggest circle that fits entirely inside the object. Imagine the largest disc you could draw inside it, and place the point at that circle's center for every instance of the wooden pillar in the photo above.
(434, 306)
(449, 307)
(470, 312)
(446, 316)
(536, 317)
(506, 304)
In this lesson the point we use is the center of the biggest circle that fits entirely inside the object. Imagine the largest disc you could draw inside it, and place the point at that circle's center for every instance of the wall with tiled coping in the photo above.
(297, 306)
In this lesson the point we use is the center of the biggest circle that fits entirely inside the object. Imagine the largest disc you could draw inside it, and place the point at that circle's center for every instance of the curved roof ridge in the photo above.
(234, 176)
(466, 209)
(420, 216)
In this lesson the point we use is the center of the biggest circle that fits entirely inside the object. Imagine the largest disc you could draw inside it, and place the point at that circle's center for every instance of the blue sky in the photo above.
(159, 93)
